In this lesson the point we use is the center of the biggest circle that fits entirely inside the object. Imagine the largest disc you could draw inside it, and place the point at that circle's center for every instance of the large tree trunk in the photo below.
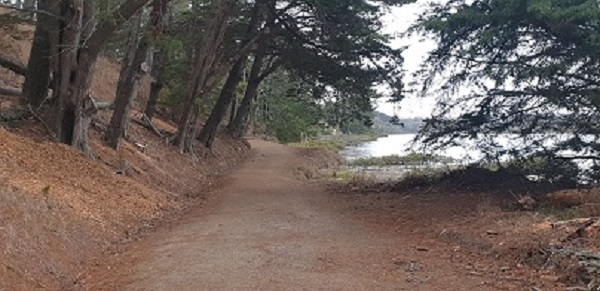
(69, 77)
(237, 126)
(155, 88)
(203, 62)
(75, 46)
(37, 76)
(209, 130)
(159, 24)
(127, 87)
(232, 110)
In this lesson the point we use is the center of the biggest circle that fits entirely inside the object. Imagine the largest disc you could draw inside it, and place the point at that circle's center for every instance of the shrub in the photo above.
(410, 159)
(546, 169)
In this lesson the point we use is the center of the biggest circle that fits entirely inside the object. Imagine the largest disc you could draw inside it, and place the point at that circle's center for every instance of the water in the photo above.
(400, 144)
(397, 144)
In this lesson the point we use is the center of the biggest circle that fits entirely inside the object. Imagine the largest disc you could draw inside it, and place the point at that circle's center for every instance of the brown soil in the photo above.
(268, 230)
(61, 212)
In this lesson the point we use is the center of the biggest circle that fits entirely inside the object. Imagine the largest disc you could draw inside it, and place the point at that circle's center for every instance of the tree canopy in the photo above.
(206, 53)
(523, 67)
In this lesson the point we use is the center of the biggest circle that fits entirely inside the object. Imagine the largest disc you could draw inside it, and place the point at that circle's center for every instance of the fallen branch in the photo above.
(13, 64)
(581, 231)
(105, 105)
(147, 123)
(9, 91)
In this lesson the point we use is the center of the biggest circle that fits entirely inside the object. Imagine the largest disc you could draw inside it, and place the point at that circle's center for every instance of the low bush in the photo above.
(320, 144)
(397, 160)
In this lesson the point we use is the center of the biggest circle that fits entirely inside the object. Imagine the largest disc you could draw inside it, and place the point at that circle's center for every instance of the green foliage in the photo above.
(351, 114)
(397, 160)
(294, 118)
(530, 67)
(548, 169)
(287, 110)
(347, 176)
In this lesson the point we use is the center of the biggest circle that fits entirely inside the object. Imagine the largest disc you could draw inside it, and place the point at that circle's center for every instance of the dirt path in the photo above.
(268, 230)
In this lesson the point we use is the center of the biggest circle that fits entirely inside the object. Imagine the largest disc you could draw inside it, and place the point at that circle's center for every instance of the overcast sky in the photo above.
(398, 21)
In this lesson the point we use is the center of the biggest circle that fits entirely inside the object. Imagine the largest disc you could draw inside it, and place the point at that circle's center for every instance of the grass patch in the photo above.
(561, 214)
(397, 160)
(346, 176)
(331, 145)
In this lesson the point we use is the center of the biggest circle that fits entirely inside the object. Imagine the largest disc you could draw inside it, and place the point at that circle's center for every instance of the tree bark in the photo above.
(37, 75)
(159, 24)
(155, 88)
(203, 62)
(75, 47)
(127, 87)
(232, 110)
(237, 126)
(209, 130)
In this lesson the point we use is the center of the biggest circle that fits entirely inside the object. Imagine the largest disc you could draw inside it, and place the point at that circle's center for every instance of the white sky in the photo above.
(398, 21)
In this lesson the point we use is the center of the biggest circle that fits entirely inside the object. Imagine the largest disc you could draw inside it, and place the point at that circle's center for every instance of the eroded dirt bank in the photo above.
(60, 211)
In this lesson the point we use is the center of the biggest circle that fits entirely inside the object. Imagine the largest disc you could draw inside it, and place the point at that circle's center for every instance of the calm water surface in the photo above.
(400, 144)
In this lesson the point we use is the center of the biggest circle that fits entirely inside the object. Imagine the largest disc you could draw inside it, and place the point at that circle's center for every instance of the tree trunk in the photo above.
(203, 62)
(232, 110)
(210, 128)
(155, 88)
(125, 98)
(127, 87)
(237, 126)
(37, 75)
(159, 24)
(75, 46)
